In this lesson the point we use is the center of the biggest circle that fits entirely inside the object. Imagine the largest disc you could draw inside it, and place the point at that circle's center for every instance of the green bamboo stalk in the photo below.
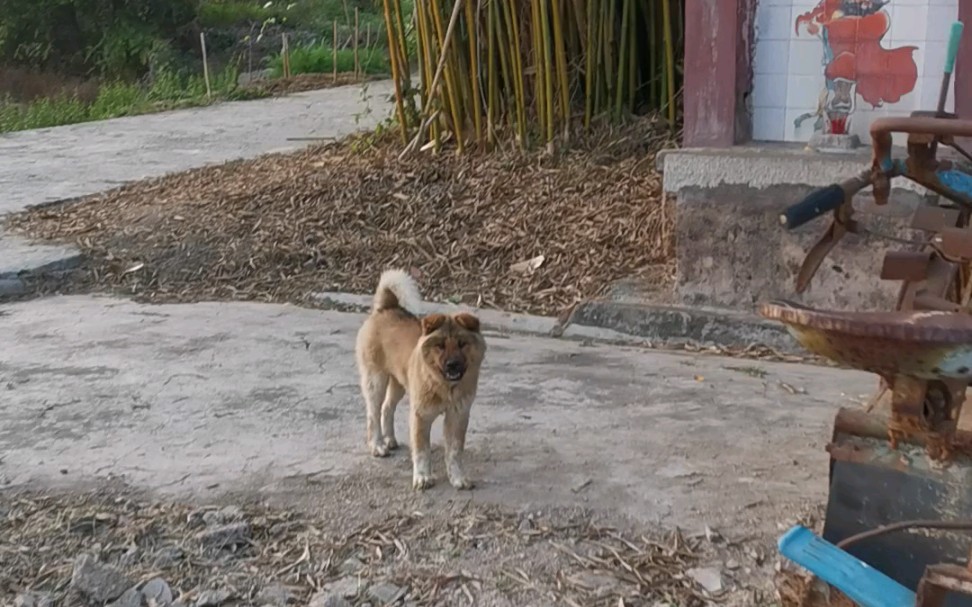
(477, 106)
(399, 101)
(669, 60)
(621, 66)
(492, 86)
(516, 65)
(590, 51)
(451, 94)
(433, 99)
(561, 60)
(538, 65)
(548, 67)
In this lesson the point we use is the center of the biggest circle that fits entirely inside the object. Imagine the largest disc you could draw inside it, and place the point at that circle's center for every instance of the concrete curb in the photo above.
(620, 323)
(681, 326)
(23, 261)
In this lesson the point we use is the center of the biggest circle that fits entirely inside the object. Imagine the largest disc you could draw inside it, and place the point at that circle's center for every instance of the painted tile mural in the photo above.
(837, 65)
(855, 62)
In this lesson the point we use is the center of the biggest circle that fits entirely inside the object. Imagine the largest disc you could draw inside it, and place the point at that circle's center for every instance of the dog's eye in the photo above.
(461, 345)
(440, 346)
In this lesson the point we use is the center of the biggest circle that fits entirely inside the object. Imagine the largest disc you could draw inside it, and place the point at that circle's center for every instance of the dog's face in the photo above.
(452, 345)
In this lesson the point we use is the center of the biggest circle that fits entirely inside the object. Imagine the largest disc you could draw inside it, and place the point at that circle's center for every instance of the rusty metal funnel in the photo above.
(921, 344)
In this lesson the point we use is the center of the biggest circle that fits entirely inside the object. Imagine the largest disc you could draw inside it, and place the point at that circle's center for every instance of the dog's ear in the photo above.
(467, 322)
(432, 323)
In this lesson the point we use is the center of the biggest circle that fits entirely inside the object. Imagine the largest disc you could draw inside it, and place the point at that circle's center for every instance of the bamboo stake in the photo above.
(357, 35)
(334, 50)
(205, 60)
(285, 55)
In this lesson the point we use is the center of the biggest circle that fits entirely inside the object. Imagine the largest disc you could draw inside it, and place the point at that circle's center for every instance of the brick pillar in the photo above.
(712, 41)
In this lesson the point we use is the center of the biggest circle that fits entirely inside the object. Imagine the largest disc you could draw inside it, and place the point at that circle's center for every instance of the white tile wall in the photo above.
(788, 69)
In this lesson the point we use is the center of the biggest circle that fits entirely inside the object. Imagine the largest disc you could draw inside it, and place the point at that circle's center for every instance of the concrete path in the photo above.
(204, 399)
(48, 165)
(65, 162)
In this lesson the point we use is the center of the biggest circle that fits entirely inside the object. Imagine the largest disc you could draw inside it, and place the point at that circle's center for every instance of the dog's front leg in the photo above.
(420, 428)
(456, 424)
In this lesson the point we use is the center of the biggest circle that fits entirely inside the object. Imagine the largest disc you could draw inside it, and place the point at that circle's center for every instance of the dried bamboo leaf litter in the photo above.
(332, 218)
(447, 557)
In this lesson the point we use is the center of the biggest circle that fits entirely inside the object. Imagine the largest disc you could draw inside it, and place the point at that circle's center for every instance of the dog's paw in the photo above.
(391, 444)
(379, 450)
(421, 482)
(462, 483)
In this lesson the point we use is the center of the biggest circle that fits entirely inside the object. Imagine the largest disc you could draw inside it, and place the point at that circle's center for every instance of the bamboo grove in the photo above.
(531, 69)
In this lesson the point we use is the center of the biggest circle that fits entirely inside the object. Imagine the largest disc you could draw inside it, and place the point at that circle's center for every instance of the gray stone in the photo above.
(346, 587)
(131, 598)
(225, 536)
(97, 581)
(33, 599)
(328, 599)
(275, 595)
(159, 591)
(168, 556)
(386, 593)
(213, 598)
(229, 514)
(351, 565)
(709, 578)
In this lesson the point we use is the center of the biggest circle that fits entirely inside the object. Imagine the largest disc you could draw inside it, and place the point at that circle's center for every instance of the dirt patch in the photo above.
(260, 553)
(520, 232)
(23, 85)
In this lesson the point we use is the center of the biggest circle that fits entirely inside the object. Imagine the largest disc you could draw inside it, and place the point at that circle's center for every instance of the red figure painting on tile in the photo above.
(855, 63)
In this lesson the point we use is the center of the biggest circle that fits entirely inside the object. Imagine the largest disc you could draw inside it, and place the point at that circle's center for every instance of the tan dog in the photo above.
(436, 359)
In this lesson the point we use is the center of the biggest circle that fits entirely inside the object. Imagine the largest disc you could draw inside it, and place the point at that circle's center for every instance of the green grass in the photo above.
(119, 99)
(216, 13)
(317, 15)
(320, 60)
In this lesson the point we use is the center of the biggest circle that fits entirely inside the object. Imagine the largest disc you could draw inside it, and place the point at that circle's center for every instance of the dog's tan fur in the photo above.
(397, 351)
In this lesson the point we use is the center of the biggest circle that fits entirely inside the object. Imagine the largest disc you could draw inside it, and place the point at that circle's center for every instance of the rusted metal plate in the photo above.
(956, 242)
(923, 344)
(905, 265)
(933, 219)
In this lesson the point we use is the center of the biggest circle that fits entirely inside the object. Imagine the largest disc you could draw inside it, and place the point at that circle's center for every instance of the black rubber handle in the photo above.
(818, 203)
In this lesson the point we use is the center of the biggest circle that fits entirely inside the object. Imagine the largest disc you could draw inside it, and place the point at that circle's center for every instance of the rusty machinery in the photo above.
(901, 468)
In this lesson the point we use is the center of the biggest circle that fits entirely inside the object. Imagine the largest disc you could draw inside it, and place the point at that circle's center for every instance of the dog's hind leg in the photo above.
(456, 424)
(373, 387)
(393, 395)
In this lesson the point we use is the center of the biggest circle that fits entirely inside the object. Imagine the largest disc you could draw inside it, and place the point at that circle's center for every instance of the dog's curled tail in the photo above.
(396, 289)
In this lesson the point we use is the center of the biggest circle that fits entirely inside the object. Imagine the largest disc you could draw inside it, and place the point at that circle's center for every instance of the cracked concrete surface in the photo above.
(204, 399)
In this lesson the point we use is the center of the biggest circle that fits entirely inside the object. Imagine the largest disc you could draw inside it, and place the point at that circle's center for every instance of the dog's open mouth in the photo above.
(452, 374)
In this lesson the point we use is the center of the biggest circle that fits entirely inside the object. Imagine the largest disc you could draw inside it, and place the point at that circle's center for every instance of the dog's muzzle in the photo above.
(453, 370)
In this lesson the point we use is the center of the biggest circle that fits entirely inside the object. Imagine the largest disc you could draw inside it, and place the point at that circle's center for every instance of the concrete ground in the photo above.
(206, 399)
